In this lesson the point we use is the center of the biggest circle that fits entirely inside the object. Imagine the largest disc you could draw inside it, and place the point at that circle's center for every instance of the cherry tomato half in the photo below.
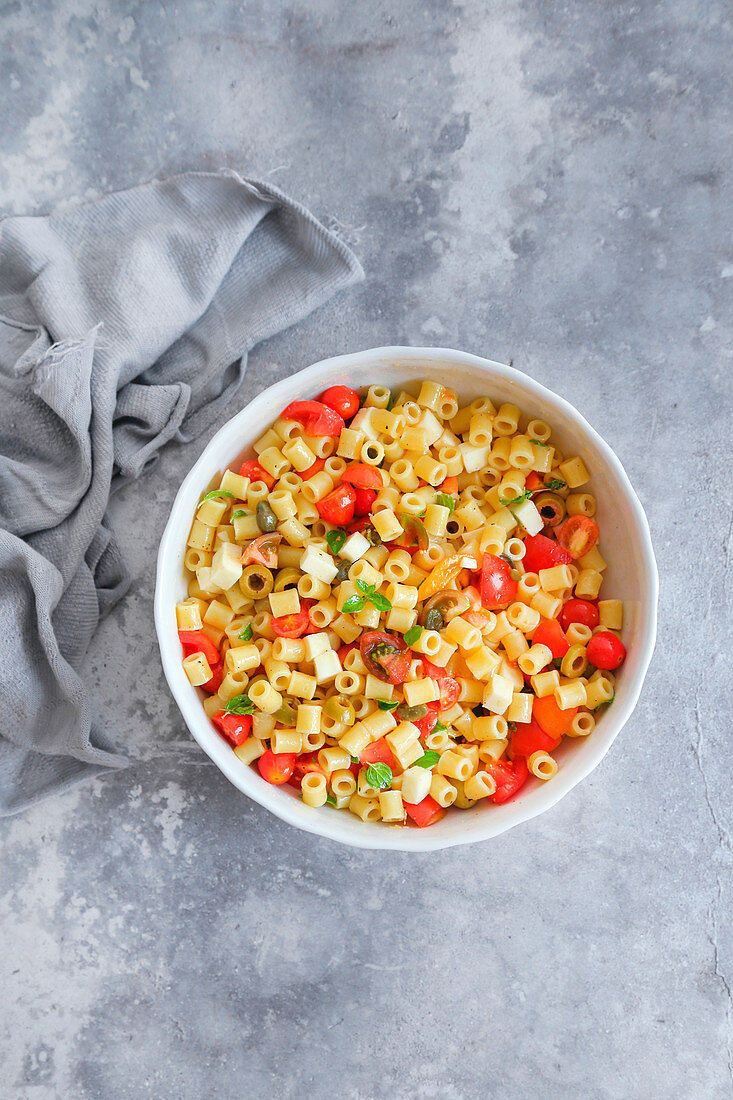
(553, 721)
(255, 472)
(195, 641)
(378, 752)
(579, 611)
(338, 507)
(342, 399)
(542, 553)
(578, 535)
(316, 418)
(427, 724)
(498, 588)
(364, 501)
(529, 737)
(449, 688)
(235, 727)
(363, 476)
(385, 655)
(510, 776)
(263, 549)
(291, 626)
(276, 767)
(551, 634)
(314, 469)
(217, 675)
(606, 651)
(305, 763)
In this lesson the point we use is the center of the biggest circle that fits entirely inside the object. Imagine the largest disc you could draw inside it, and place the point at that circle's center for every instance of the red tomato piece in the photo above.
(344, 650)
(314, 469)
(263, 549)
(217, 675)
(542, 553)
(316, 418)
(362, 476)
(364, 501)
(551, 634)
(553, 721)
(338, 507)
(424, 813)
(529, 737)
(276, 767)
(534, 482)
(255, 472)
(359, 524)
(235, 727)
(195, 641)
(606, 651)
(510, 776)
(385, 655)
(449, 688)
(342, 399)
(578, 535)
(306, 762)
(378, 752)
(427, 724)
(291, 626)
(449, 485)
(579, 611)
(498, 589)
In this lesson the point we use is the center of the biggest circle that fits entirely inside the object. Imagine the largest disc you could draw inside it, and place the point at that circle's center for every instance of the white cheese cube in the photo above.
(316, 563)
(416, 784)
(327, 665)
(528, 516)
(226, 568)
(355, 547)
(362, 422)
(498, 694)
(432, 427)
(315, 644)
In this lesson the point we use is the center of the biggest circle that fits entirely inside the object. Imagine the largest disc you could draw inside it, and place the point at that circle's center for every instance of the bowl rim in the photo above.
(406, 839)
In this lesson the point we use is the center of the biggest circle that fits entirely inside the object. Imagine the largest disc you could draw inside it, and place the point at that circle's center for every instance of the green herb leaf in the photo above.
(413, 634)
(539, 443)
(353, 604)
(246, 634)
(355, 760)
(239, 704)
(379, 776)
(446, 501)
(330, 800)
(512, 727)
(440, 727)
(390, 403)
(526, 495)
(384, 705)
(380, 602)
(364, 587)
(336, 539)
(556, 484)
(239, 513)
(605, 703)
(217, 493)
(429, 760)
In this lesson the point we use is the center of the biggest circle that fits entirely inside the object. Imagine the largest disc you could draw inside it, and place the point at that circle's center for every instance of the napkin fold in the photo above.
(124, 323)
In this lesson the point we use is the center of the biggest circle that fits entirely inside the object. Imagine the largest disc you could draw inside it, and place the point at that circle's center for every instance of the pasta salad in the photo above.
(394, 606)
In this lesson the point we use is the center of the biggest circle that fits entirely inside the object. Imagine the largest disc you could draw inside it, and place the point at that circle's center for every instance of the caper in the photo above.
(411, 714)
(372, 535)
(256, 581)
(342, 573)
(285, 714)
(266, 518)
(434, 619)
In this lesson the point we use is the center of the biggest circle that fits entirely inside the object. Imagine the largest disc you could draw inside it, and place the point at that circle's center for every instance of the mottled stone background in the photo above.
(541, 182)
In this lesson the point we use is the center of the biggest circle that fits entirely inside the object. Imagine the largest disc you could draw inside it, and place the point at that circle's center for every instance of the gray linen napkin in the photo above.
(123, 324)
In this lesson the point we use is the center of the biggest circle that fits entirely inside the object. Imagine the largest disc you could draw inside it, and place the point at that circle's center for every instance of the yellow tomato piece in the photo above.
(444, 573)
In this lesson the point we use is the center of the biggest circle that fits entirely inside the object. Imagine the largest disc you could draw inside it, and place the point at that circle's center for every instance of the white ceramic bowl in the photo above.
(625, 541)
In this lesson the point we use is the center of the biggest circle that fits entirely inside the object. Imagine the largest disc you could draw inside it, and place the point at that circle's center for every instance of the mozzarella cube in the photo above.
(226, 567)
(355, 547)
(362, 422)
(326, 665)
(316, 563)
(498, 694)
(528, 516)
(433, 430)
(416, 784)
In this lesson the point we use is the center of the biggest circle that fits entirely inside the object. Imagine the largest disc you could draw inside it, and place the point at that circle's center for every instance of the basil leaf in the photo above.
(447, 501)
(390, 403)
(526, 495)
(429, 760)
(239, 704)
(605, 703)
(355, 760)
(353, 604)
(556, 484)
(384, 705)
(440, 727)
(336, 539)
(413, 634)
(380, 602)
(330, 800)
(379, 776)
(239, 513)
(539, 443)
(246, 634)
(217, 493)
(364, 587)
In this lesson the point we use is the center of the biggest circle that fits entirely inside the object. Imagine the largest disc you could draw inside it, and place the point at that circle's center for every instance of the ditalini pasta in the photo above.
(394, 607)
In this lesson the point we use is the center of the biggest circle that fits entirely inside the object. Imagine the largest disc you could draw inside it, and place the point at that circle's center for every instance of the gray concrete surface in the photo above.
(538, 182)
